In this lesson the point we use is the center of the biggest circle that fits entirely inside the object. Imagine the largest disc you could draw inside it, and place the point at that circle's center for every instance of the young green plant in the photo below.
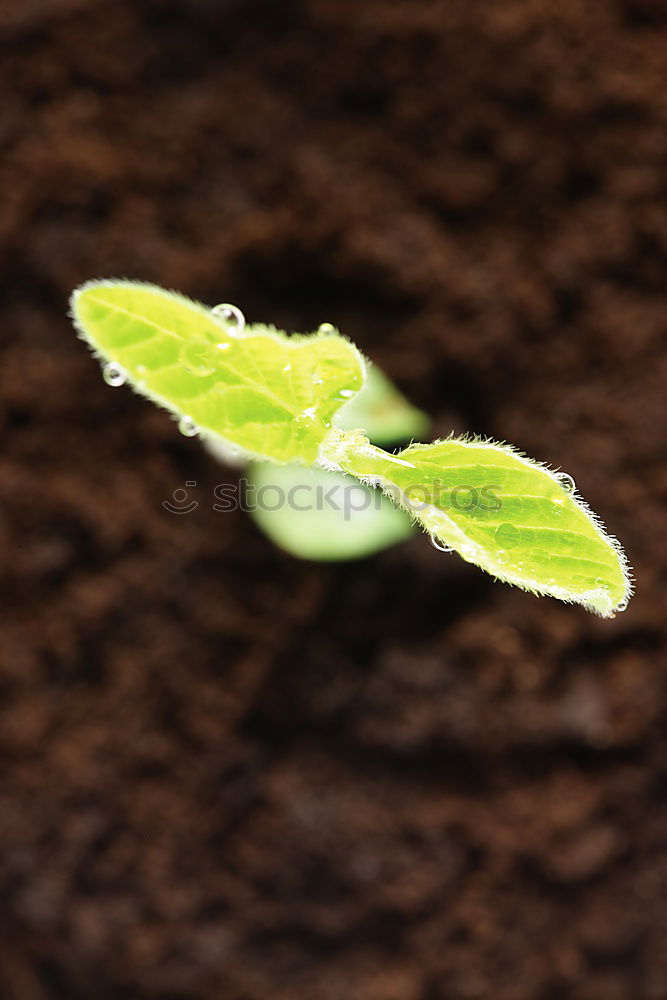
(276, 398)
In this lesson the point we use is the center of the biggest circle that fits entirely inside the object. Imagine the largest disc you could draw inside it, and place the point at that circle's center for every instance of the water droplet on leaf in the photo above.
(187, 426)
(440, 546)
(325, 329)
(113, 374)
(566, 481)
(623, 606)
(231, 316)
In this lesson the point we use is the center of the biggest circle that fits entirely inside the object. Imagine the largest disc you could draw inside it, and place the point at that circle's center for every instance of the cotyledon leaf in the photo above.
(321, 515)
(272, 395)
(500, 510)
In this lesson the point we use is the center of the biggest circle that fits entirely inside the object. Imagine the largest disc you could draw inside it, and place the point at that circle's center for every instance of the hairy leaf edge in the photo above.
(474, 553)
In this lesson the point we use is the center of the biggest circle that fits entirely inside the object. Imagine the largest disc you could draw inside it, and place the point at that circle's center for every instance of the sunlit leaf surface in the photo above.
(504, 512)
(270, 394)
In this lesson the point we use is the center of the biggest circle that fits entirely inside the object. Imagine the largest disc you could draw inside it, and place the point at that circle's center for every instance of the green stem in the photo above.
(352, 452)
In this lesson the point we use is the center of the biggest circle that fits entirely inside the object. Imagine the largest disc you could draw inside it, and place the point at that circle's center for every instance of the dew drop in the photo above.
(231, 316)
(566, 481)
(198, 357)
(326, 329)
(287, 367)
(623, 606)
(346, 393)
(507, 535)
(440, 546)
(113, 374)
(187, 426)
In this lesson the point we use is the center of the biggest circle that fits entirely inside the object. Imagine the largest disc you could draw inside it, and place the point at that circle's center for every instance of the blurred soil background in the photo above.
(229, 775)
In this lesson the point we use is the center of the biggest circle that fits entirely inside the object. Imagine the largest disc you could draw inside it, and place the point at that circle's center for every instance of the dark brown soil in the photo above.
(229, 775)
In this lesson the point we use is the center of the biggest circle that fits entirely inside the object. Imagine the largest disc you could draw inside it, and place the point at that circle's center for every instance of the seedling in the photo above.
(276, 398)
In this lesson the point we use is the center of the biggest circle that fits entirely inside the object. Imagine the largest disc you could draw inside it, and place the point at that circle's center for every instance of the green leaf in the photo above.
(504, 512)
(320, 515)
(272, 395)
